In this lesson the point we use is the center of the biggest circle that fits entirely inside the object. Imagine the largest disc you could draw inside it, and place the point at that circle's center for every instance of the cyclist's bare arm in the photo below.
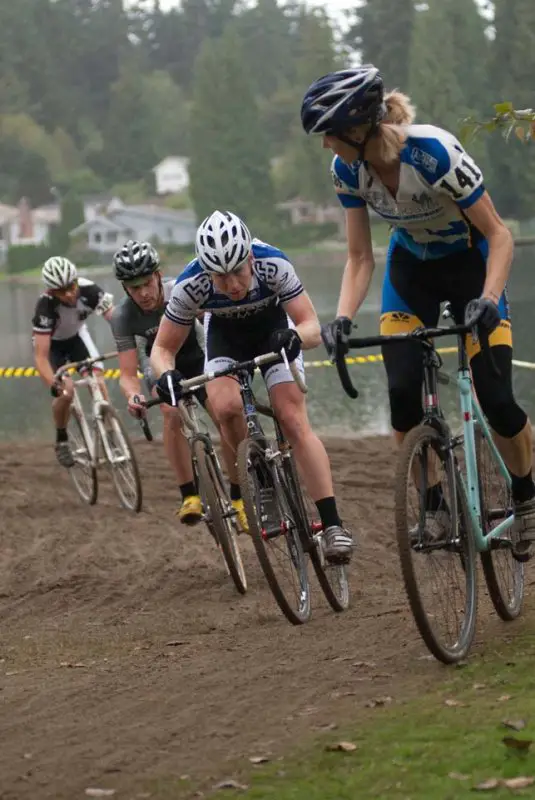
(169, 339)
(129, 381)
(359, 265)
(41, 353)
(303, 315)
(108, 314)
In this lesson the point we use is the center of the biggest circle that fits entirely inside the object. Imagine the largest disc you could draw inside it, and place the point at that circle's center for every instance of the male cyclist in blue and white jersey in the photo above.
(253, 303)
(448, 243)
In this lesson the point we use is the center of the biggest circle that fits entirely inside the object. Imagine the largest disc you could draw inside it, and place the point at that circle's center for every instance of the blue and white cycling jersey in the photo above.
(273, 281)
(438, 180)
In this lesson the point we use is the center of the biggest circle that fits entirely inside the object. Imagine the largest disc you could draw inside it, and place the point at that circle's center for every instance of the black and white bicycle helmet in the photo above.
(223, 242)
(58, 273)
(344, 99)
(135, 260)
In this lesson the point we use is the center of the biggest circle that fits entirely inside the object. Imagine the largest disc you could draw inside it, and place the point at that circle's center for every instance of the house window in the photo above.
(111, 237)
(170, 232)
(97, 237)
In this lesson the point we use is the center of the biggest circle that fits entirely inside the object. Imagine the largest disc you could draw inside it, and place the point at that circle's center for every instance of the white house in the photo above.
(105, 234)
(171, 175)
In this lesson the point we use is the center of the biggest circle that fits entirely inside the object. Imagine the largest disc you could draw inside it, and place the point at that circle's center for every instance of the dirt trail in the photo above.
(92, 692)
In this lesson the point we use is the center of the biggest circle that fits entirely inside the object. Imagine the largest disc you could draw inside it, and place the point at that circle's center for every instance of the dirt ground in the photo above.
(128, 660)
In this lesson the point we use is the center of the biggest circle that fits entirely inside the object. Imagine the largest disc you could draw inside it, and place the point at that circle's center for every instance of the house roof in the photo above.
(152, 210)
(50, 214)
(100, 222)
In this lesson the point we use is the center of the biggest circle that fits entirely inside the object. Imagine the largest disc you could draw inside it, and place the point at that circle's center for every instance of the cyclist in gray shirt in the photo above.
(134, 322)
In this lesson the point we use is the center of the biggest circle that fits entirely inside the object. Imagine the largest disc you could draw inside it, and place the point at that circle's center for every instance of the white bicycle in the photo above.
(100, 439)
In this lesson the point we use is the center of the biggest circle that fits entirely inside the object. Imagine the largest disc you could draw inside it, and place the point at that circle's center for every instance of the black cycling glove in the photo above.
(484, 312)
(168, 387)
(286, 339)
(335, 336)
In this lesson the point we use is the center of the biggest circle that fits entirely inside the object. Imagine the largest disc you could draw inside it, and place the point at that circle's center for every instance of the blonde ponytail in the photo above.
(390, 138)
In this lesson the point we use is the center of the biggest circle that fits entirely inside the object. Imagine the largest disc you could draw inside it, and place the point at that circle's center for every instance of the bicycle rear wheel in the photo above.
(437, 553)
(124, 467)
(504, 575)
(331, 577)
(219, 512)
(83, 473)
(274, 530)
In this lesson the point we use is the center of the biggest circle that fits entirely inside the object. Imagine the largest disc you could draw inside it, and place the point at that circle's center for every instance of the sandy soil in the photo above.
(128, 660)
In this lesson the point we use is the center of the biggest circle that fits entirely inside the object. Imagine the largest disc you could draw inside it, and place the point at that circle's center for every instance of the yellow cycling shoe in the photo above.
(190, 512)
(241, 516)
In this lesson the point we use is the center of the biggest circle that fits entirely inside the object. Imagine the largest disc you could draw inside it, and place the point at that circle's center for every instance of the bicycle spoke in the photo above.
(83, 473)
(123, 462)
(436, 549)
(503, 573)
(274, 531)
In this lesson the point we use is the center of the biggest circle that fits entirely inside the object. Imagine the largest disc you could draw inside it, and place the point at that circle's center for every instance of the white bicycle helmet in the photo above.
(223, 242)
(58, 272)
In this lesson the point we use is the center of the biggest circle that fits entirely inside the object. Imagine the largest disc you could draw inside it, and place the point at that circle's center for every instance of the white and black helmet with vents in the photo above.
(58, 272)
(223, 243)
(135, 260)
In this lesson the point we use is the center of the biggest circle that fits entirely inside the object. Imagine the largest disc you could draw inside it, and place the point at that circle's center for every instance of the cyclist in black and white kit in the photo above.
(135, 320)
(254, 303)
(60, 335)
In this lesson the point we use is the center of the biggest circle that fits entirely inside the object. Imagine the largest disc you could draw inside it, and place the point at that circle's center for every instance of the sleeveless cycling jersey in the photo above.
(438, 180)
(274, 281)
(53, 317)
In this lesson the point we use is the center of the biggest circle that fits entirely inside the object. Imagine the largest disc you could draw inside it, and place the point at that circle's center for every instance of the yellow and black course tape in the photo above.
(114, 374)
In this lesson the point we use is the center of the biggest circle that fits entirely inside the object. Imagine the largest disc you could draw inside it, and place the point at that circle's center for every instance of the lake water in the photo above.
(25, 404)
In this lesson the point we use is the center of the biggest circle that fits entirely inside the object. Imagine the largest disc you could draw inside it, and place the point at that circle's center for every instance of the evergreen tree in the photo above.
(381, 31)
(513, 179)
(229, 163)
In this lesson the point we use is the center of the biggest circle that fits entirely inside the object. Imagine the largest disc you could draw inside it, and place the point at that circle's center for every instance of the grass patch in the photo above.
(424, 749)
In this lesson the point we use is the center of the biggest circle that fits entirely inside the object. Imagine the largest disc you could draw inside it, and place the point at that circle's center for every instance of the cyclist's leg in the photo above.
(225, 407)
(509, 422)
(60, 351)
(409, 301)
(290, 409)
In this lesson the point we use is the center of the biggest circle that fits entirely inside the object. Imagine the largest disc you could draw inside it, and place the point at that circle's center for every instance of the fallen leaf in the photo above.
(518, 783)
(344, 747)
(259, 759)
(491, 783)
(378, 701)
(451, 703)
(367, 664)
(514, 724)
(461, 664)
(458, 776)
(477, 686)
(28, 755)
(175, 643)
(517, 744)
(503, 698)
(94, 792)
(230, 784)
(329, 726)
(70, 665)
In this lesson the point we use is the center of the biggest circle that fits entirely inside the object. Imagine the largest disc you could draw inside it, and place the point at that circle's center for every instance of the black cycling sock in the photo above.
(235, 491)
(328, 512)
(61, 435)
(434, 498)
(523, 488)
(187, 489)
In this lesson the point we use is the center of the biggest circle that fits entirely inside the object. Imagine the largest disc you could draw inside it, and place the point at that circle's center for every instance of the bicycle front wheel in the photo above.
(218, 510)
(331, 577)
(274, 530)
(436, 547)
(84, 472)
(504, 575)
(123, 463)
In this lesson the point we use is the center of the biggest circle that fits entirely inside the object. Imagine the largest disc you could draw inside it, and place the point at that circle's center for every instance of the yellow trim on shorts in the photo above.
(398, 322)
(503, 335)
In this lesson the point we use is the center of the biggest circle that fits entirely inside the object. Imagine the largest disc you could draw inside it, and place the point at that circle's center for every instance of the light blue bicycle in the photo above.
(453, 500)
